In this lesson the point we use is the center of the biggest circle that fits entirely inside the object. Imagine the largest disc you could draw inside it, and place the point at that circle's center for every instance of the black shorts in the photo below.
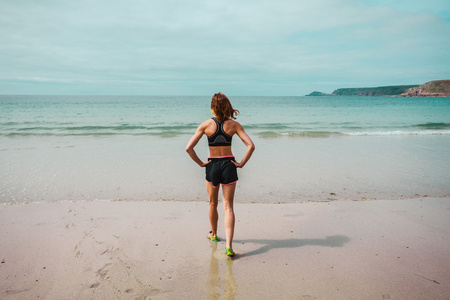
(221, 170)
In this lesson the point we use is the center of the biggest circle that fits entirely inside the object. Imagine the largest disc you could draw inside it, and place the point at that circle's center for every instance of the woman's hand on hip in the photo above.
(205, 163)
(238, 165)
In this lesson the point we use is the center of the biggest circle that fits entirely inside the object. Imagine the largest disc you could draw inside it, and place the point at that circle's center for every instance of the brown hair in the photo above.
(222, 107)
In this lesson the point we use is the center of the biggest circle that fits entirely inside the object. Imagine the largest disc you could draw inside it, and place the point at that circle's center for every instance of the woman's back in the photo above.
(220, 136)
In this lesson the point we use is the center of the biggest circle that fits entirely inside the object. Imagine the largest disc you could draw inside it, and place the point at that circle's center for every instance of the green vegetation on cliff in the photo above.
(438, 86)
(374, 91)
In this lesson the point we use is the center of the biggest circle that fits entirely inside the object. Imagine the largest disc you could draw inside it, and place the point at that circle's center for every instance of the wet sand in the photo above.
(383, 249)
(46, 169)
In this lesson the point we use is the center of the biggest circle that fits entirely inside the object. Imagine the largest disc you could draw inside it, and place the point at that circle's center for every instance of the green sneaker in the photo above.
(211, 237)
(230, 252)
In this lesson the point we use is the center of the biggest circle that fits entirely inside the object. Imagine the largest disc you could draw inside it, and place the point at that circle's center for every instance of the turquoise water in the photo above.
(78, 148)
(263, 116)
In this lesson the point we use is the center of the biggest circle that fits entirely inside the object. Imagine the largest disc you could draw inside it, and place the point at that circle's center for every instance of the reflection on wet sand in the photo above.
(216, 285)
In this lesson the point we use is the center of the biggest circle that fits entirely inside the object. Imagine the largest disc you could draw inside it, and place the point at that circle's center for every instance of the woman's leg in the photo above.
(213, 194)
(228, 202)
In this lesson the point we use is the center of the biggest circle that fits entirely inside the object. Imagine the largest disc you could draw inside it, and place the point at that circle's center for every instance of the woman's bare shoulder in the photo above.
(231, 121)
(207, 123)
(234, 124)
(232, 127)
(206, 126)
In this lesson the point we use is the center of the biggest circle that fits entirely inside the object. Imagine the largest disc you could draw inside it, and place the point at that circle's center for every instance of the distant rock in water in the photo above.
(438, 88)
(319, 94)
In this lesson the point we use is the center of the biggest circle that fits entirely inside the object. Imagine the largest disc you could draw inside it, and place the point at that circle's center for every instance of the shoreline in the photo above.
(380, 249)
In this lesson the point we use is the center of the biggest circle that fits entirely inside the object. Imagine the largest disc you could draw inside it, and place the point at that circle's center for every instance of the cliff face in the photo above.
(438, 88)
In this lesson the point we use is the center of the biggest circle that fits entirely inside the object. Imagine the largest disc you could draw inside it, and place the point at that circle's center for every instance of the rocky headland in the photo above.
(438, 88)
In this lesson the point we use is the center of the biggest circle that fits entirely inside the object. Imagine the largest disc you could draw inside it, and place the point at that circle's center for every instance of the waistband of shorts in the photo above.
(228, 157)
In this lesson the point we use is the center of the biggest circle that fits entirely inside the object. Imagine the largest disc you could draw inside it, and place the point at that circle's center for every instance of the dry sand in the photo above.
(396, 249)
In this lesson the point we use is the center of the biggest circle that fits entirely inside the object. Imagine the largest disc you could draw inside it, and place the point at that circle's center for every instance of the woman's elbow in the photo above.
(190, 149)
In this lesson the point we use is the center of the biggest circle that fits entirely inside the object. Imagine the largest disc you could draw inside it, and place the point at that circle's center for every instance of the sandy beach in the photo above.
(346, 196)
(395, 249)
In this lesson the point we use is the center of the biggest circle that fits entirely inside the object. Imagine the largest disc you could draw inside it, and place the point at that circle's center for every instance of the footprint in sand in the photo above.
(103, 272)
(14, 292)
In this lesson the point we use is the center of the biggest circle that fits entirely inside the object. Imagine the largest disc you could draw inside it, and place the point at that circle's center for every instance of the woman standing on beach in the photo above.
(221, 165)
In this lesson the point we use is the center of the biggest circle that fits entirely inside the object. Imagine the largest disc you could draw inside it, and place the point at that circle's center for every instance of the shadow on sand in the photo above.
(329, 241)
(225, 286)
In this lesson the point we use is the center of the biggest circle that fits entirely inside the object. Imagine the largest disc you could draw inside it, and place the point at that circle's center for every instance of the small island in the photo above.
(438, 88)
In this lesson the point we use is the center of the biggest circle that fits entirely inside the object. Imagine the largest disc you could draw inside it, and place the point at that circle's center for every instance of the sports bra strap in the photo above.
(219, 138)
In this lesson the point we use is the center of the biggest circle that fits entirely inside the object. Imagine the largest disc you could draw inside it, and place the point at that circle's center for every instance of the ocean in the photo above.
(83, 148)
(263, 116)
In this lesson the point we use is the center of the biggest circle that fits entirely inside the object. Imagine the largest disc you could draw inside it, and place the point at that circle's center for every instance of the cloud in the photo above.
(438, 7)
(287, 47)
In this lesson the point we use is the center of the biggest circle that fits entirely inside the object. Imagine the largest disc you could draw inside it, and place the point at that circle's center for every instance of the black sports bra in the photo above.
(219, 138)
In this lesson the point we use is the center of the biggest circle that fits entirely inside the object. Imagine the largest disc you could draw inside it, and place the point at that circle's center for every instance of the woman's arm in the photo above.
(248, 142)
(193, 142)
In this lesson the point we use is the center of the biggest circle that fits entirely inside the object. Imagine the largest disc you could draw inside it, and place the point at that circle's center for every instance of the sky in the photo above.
(200, 47)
